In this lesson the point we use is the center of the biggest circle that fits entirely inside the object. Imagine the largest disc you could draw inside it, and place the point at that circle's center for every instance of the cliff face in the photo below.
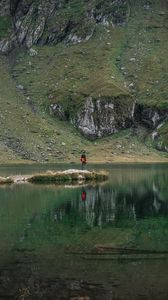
(101, 117)
(49, 22)
(5, 8)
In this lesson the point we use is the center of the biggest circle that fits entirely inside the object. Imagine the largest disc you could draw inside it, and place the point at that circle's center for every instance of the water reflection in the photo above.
(108, 205)
(83, 195)
(49, 236)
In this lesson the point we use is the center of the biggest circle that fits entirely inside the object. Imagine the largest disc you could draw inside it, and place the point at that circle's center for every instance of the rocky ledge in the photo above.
(71, 175)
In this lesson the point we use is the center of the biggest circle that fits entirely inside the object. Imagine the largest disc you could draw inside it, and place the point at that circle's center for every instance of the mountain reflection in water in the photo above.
(102, 241)
(107, 205)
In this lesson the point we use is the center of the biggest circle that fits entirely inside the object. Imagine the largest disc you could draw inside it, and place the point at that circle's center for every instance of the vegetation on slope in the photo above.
(5, 26)
(145, 56)
(144, 61)
(25, 134)
(67, 73)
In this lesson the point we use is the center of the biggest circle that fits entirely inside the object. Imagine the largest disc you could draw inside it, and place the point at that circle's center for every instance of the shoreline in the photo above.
(103, 162)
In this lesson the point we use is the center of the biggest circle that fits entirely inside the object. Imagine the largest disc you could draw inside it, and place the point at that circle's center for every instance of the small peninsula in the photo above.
(71, 175)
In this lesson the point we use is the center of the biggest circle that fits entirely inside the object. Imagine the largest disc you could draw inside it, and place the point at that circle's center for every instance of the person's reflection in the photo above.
(83, 196)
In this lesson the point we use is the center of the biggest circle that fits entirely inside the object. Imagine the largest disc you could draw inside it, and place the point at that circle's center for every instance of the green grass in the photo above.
(57, 177)
(68, 74)
(28, 135)
(146, 41)
(5, 26)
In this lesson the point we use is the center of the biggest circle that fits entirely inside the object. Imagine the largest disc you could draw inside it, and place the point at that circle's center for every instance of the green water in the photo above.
(99, 241)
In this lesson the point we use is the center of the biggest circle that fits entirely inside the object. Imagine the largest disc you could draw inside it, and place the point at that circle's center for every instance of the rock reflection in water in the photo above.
(86, 242)
(106, 205)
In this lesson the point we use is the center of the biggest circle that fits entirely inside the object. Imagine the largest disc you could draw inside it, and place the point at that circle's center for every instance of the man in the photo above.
(83, 160)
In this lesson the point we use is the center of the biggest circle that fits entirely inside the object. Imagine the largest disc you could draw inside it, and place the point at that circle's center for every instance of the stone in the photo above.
(132, 59)
(20, 87)
(154, 135)
(131, 84)
(58, 111)
(32, 52)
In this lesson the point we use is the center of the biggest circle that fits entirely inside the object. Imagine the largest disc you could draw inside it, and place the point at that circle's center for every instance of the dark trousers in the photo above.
(83, 165)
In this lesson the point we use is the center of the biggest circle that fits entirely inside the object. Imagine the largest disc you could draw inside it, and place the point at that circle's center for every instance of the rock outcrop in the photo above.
(154, 119)
(4, 8)
(151, 117)
(101, 117)
(49, 22)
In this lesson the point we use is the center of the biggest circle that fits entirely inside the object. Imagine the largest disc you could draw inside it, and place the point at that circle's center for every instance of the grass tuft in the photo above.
(68, 176)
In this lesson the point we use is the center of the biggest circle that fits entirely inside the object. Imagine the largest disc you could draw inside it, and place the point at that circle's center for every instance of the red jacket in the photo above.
(83, 196)
(83, 158)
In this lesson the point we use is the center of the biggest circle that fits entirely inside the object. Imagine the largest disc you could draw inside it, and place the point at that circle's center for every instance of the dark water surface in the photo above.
(82, 242)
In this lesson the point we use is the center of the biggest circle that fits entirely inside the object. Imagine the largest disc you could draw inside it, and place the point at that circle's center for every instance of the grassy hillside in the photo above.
(67, 74)
(105, 65)
(145, 56)
(144, 61)
(27, 134)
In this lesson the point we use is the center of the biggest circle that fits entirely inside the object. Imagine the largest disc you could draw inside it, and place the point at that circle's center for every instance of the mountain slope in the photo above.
(144, 64)
(99, 66)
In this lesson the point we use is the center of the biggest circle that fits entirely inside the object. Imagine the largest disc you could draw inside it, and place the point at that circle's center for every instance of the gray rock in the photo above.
(152, 117)
(58, 111)
(32, 52)
(38, 22)
(4, 7)
(132, 59)
(20, 87)
(102, 117)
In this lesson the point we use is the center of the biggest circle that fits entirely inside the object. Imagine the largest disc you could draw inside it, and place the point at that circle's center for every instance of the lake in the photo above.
(83, 242)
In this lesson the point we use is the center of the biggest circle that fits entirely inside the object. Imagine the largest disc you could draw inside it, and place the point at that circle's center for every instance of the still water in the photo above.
(83, 242)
